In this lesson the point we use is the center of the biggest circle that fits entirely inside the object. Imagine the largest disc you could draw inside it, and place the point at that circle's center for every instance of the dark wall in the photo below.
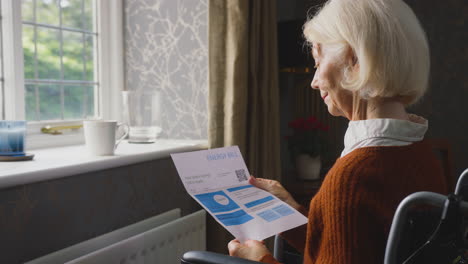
(40, 218)
(446, 103)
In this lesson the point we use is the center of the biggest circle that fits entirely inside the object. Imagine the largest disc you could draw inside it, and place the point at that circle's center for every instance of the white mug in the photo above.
(100, 136)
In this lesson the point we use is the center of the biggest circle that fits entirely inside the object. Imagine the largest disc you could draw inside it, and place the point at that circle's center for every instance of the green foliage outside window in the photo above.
(77, 56)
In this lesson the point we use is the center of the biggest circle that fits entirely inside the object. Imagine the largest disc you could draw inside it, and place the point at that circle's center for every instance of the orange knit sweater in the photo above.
(351, 215)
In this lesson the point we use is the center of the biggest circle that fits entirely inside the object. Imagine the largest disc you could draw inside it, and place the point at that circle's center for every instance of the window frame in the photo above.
(109, 71)
(2, 77)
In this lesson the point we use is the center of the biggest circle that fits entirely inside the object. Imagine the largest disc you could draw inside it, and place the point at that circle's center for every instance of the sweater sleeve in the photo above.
(351, 231)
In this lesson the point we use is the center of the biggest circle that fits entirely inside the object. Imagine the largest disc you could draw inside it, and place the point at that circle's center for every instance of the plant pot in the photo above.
(308, 168)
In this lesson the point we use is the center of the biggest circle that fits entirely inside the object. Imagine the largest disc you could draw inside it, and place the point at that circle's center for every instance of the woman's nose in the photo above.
(314, 83)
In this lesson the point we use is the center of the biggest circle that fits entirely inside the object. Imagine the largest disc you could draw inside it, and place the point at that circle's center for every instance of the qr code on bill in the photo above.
(241, 175)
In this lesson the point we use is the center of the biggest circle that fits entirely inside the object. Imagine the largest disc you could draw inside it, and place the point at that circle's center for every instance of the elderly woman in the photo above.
(372, 61)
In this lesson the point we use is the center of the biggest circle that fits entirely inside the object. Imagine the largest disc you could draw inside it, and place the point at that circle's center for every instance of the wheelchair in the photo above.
(436, 234)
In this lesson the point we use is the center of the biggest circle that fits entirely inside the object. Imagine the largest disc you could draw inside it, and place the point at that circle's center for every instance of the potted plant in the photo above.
(306, 146)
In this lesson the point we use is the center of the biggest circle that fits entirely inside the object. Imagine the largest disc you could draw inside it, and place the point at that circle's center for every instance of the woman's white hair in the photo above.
(389, 43)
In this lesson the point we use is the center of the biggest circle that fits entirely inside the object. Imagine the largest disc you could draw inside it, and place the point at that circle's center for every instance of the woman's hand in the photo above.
(275, 188)
(251, 249)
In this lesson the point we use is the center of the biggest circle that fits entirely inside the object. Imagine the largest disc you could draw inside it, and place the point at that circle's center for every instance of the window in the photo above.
(65, 64)
(1, 67)
(58, 39)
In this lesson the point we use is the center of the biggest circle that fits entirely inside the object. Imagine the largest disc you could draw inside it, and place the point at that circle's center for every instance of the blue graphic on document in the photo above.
(275, 213)
(269, 215)
(239, 188)
(217, 202)
(235, 218)
(283, 210)
(259, 201)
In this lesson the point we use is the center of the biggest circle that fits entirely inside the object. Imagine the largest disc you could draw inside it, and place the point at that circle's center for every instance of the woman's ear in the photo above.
(352, 59)
(355, 60)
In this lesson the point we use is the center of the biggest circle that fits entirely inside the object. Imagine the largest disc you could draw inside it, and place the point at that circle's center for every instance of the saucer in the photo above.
(26, 156)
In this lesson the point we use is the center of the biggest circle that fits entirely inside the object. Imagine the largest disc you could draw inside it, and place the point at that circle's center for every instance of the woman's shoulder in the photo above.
(365, 155)
(357, 160)
(350, 167)
(371, 165)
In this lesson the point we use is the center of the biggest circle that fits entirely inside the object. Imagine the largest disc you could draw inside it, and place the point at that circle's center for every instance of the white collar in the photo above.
(384, 132)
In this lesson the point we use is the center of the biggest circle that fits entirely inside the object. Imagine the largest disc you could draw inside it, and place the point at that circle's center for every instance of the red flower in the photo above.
(324, 128)
(309, 124)
(307, 137)
(312, 119)
(298, 124)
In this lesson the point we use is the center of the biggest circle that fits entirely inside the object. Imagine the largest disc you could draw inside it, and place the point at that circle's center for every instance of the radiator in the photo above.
(162, 245)
(91, 245)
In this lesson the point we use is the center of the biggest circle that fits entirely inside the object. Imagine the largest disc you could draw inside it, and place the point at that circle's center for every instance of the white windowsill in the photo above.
(61, 162)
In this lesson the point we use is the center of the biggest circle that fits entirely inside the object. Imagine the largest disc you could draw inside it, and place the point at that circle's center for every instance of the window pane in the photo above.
(89, 57)
(48, 12)
(73, 102)
(79, 102)
(71, 13)
(89, 15)
(27, 10)
(1, 55)
(1, 65)
(49, 100)
(90, 98)
(28, 50)
(73, 56)
(31, 102)
(48, 53)
(60, 57)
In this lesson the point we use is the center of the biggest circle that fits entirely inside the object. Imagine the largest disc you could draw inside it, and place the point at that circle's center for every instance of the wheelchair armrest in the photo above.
(205, 257)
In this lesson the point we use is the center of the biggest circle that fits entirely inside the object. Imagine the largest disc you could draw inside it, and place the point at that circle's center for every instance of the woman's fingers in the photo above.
(253, 243)
(261, 183)
(233, 245)
(253, 180)
(251, 249)
(275, 188)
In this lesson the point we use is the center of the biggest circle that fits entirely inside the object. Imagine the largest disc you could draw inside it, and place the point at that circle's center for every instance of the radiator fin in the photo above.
(162, 245)
(91, 245)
